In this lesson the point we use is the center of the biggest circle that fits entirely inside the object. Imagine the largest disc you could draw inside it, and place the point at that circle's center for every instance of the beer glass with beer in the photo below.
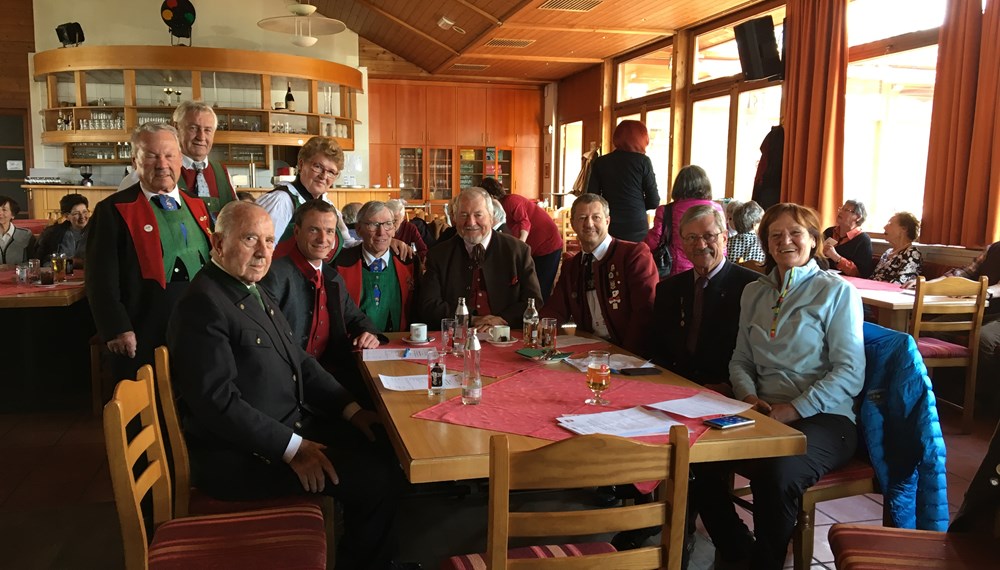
(598, 376)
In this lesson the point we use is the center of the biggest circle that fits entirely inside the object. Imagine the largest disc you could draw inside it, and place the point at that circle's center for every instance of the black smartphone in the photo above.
(726, 422)
(639, 371)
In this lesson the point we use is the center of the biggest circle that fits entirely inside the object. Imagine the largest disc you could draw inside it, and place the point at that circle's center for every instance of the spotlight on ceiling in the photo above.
(445, 24)
(70, 34)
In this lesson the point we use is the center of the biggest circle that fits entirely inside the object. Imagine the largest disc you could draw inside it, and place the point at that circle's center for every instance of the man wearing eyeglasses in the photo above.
(70, 236)
(377, 279)
(697, 311)
(608, 288)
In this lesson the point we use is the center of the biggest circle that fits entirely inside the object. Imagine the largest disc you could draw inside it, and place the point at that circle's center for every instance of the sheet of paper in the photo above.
(632, 422)
(413, 382)
(618, 361)
(565, 340)
(701, 405)
(376, 354)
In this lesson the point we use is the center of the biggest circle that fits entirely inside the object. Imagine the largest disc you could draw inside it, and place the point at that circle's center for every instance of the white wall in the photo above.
(219, 23)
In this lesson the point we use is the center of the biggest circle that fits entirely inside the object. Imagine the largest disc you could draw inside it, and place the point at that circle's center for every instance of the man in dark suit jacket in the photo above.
(493, 271)
(700, 351)
(607, 289)
(141, 255)
(313, 297)
(261, 417)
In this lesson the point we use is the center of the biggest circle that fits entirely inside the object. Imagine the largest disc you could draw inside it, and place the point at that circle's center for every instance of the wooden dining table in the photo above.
(895, 304)
(28, 296)
(432, 451)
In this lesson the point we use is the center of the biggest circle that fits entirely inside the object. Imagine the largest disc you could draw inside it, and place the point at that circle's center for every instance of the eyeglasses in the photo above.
(374, 226)
(320, 171)
(79, 214)
(848, 210)
(707, 238)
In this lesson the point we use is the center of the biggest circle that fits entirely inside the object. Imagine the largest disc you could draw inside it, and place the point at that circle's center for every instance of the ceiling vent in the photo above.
(571, 5)
(469, 66)
(508, 43)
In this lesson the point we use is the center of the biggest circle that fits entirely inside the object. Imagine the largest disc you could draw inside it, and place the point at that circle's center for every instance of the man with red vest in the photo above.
(201, 177)
(312, 295)
(378, 280)
(145, 244)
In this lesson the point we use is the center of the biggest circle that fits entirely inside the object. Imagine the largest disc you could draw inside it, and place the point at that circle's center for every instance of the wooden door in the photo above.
(383, 163)
(527, 173)
(500, 117)
(528, 109)
(411, 115)
(382, 112)
(470, 104)
(442, 115)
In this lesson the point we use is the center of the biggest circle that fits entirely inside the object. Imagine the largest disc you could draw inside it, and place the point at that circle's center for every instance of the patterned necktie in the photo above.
(377, 266)
(200, 184)
(256, 293)
(699, 301)
(478, 254)
(588, 271)
(165, 202)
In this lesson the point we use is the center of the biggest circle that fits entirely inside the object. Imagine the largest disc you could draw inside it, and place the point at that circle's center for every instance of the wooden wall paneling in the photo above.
(383, 162)
(52, 90)
(527, 172)
(579, 95)
(18, 33)
(470, 103)
(382, 112)
(80, 82)
(265, 91)
(528, 108)
(411, 114)
(442, 115)
(500, 117)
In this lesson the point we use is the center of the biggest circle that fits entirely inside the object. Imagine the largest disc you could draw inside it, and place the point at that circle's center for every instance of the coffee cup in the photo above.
(500, 333)
(418, 332)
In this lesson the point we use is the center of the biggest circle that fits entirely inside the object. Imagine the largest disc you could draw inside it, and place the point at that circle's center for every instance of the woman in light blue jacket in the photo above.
(799, 358)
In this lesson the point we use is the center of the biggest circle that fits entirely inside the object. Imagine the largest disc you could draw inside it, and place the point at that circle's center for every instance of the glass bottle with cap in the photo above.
(461, 326)
(530, 325)
(435, 372)
(472, 381)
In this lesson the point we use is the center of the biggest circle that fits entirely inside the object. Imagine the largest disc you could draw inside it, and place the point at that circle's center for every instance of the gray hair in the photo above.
(700, 211)
(151, 128)
(231, 213)
(395, 206)
(475, 192)
(372, 208)
(747, 216)
(499, 215)
(731, 207)
(350, 212)
(589, 198)
(187, 107)
(859, 209)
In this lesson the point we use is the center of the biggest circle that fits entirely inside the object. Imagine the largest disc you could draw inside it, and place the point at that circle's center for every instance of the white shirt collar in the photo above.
(175, 194)
(369, 258)
(602, 248)
(485, 242)
(711, 274)
(10, 230)
(188, 162)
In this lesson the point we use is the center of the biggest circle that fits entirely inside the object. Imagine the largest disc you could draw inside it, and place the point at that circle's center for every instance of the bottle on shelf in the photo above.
(461, 326)
(436, 369)
(472, 380)
(388, 180)
(289, 98)
(530, 325)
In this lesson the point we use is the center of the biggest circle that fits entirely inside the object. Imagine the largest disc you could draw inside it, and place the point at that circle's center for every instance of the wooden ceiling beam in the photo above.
(585, 29)
(420, 33)
(545, 58)
(489, 17)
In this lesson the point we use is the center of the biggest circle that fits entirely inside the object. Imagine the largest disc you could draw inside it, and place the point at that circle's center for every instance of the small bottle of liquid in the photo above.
(388, 180)
(289, 98)
(472, 381)
(530, 325)
(461, 326)
(435, 372)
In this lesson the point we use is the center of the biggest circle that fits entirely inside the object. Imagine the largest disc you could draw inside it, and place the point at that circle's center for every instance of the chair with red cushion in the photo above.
(285, 537)
(581, 462)
(961, 349)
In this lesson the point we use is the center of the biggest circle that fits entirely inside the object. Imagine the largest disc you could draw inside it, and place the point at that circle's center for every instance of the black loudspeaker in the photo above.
(70, 33)
(758, 49)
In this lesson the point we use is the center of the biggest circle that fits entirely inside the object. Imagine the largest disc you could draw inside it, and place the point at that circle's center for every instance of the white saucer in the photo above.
(407, 340)
(507, 343)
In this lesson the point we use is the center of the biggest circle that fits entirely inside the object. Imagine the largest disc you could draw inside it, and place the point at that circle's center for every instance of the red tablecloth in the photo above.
(870, 285)
(9, 285)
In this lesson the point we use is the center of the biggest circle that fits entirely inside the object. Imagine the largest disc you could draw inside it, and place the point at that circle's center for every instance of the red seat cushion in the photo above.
(478, 561)
(936, 348)
(288, 537)
(202, 504)
(855, 470)
(864, 547)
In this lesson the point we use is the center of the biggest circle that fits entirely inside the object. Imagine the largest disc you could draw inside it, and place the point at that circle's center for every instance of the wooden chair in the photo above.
(187, 499)
(579, 462)
(966, 320)
(866, 547)
(270, 538)
(751, 264)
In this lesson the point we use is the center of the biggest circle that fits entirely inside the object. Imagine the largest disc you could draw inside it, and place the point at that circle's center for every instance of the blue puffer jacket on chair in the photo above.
(899, 423)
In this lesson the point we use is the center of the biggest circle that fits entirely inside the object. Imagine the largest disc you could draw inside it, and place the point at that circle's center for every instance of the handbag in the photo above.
(662, 257)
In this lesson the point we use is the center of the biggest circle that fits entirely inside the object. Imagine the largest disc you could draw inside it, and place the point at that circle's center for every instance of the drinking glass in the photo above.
(598, 376)
(59, 266)
(448, 336)
(547, 332)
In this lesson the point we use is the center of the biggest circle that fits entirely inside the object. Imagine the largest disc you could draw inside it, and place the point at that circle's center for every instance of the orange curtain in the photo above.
(946, 186)
(815, 77)
(982, 205)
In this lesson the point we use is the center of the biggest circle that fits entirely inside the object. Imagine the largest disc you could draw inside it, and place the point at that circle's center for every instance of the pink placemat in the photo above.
(528, 404)
(870, 285)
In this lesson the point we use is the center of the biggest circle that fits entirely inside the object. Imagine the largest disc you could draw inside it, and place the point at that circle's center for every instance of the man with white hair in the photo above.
(493, 271)
(406, 232)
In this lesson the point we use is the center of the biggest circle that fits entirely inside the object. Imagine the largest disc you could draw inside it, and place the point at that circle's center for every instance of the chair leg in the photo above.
(802, 538)
(329, 508)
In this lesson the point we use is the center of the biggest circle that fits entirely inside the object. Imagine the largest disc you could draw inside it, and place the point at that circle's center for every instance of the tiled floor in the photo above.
(57, 511)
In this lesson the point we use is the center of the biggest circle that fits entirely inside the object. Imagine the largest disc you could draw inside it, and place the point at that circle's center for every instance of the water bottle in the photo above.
(461, 326)
(530, 325)
(472, 381)
(436, 370)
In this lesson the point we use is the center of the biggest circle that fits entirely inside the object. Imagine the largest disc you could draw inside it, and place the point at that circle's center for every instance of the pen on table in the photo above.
(406, 352)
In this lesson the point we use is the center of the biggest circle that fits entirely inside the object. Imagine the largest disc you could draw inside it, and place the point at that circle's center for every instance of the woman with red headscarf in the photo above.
(625, 178)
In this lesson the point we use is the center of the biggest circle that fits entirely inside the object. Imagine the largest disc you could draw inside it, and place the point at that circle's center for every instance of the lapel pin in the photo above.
(147, 228)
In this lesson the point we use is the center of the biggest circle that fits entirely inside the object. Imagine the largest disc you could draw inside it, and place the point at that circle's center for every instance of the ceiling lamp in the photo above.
(303, 24)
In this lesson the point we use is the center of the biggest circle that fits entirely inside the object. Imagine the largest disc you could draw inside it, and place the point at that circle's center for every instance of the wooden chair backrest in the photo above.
(951, 287)
(135, 399)
(175, 434)
(590, 461)
(751, 264)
